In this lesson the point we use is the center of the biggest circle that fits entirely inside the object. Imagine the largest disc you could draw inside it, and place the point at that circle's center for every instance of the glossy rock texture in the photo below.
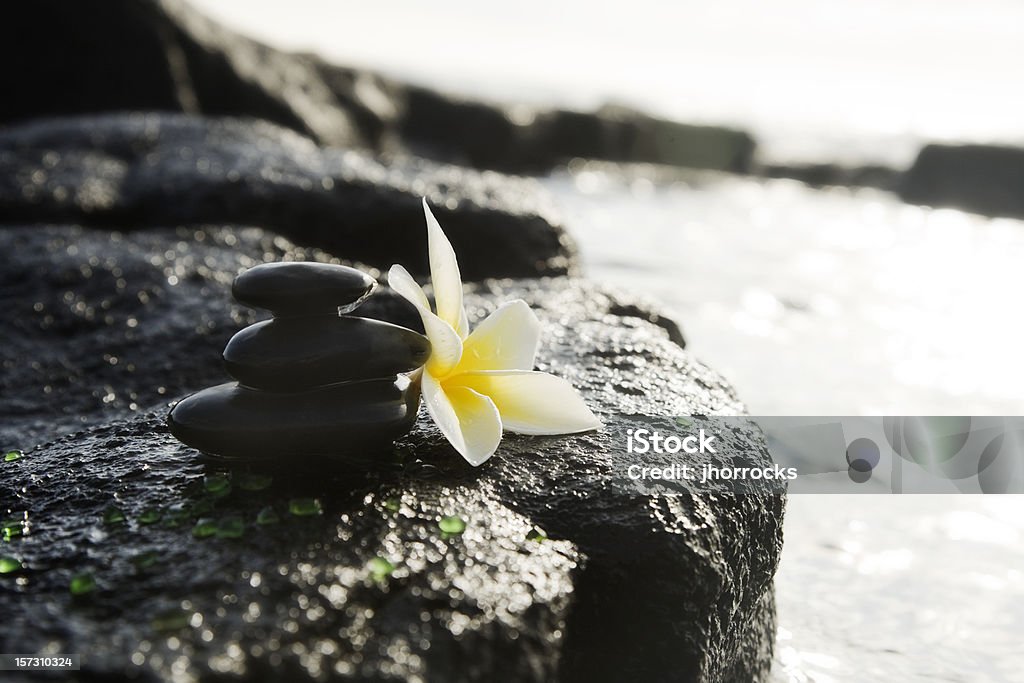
(655, 586)
(341, 420)
(292, 353)
(129, 170)
(302, 288)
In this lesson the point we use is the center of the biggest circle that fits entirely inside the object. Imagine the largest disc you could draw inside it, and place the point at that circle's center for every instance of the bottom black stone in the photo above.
(345, 420)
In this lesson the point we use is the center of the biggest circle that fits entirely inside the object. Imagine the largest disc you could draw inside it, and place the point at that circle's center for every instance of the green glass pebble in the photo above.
(151, 516)
(392, 504)
(217, 484)
(251, 481)
(145, 560)
(304, 507)
(82, 584)
(536, 535)
(452, 525)
(204, 528)
(114, 515)
(231, 527)
(267, 515)
(11, 456)
(171, 620)
(9, 565)
(12, 528)
(380, 568)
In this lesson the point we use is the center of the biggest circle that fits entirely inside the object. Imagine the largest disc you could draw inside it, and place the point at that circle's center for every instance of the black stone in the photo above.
(298, 353)
(343, 420)
(302, 288)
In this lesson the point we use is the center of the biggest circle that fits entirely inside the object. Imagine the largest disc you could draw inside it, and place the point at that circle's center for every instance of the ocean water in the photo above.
(813, 302)
(901, 588)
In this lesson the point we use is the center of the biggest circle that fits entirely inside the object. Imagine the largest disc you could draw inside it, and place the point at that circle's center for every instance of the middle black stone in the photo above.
(288, 354)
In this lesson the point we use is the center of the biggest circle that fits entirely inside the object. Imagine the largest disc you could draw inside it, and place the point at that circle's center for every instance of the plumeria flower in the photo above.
(477, 384)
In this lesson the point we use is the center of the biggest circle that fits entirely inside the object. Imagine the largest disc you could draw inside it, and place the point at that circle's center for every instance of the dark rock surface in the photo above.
(302, 288)
(981, 178)
(161, 55)
(295, 353)
(349, 421)
(128, 171)
(490, 136)
(627, 585)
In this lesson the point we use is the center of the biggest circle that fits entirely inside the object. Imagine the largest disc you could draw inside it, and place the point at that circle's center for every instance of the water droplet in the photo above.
(145, 560)
(151, 516)
(251, 481)
(11, 456)
(114, 515)
(204, 528)
(217, 484)
(267, 515)
(231, 527)
(82, 584)
(452, 525)
(9, 565)
(304, 507)
(380, 568)
(171, 620)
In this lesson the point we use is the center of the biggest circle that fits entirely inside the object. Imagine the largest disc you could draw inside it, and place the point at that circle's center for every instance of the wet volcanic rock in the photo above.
(129, 171)
(565, 569)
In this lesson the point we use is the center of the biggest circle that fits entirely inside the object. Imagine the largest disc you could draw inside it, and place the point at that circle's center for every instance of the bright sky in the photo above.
(925, 68)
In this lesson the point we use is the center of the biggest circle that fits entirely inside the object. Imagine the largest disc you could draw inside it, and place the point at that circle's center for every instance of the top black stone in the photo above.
(301, 288)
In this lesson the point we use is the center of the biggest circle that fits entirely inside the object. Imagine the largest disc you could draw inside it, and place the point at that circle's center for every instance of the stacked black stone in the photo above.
(312, 380)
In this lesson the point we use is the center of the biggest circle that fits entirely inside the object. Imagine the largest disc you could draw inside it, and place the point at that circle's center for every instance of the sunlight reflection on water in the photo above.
(817, 302)
(898, 587)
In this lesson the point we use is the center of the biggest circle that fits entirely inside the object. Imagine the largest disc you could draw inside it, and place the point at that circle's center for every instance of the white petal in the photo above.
(531, 402)
(405, 286)
(445, 276)
(506, 340)
(445, 343)
(467, 419)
